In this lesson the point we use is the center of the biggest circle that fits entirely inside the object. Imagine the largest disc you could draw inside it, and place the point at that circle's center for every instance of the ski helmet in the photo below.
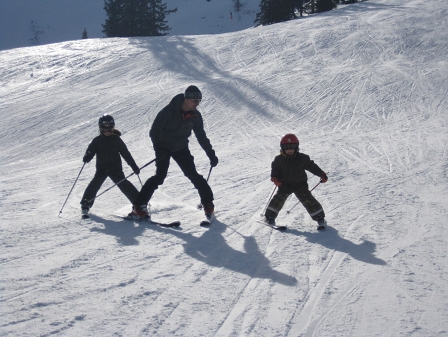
(106, 121)
(289, 140)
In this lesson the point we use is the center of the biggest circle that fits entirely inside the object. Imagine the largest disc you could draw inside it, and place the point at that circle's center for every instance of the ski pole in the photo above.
(299, 201)
(71, 190)
(209, 172)
(122, 180)
(140, 180)
(270, 198)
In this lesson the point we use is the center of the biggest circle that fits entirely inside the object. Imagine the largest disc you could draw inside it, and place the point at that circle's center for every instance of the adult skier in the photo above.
(108, 148)
(169, 134)
(288, 173)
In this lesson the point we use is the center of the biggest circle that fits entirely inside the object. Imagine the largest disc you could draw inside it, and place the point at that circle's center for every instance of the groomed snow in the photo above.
(363, 87)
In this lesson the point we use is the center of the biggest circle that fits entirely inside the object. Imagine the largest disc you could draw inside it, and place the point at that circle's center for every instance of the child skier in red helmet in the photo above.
(288, 174)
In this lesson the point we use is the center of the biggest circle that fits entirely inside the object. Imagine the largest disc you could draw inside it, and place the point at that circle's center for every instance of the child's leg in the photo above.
(276, 203)
(92, 189)
(313, 207)
(125, 186)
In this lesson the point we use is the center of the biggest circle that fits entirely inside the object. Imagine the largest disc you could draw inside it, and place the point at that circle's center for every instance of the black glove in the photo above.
(323, 178)
(136, 170)
(88, 156)
(213, 159)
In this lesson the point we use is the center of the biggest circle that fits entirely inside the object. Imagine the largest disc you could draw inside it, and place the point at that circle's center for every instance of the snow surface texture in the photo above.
(364, 88)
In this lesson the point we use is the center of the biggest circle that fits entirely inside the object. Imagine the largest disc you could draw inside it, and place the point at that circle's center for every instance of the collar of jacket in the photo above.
(286, 156)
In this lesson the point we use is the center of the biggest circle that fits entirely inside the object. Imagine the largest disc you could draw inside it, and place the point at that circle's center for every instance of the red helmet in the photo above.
(289, 139)
(289, 142)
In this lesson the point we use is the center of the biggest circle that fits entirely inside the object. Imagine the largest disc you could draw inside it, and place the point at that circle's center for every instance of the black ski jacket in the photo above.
(291, 170)
(172, 127)
(108, 151)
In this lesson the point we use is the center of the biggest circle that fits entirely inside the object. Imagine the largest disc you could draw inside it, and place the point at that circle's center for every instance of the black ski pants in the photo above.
(302, 193)
(92, 189)
(185, 160)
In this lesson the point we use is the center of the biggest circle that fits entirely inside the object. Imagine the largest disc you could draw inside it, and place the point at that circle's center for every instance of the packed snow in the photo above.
(364, 88)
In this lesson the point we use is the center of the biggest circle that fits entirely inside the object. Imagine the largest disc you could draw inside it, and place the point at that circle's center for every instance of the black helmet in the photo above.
(106, 121)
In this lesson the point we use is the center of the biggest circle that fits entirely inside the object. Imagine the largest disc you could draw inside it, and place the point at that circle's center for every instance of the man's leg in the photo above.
(186, 163)
(154, 182)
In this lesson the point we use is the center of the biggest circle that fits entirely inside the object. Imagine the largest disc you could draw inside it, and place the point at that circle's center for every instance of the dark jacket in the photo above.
(108, 151)
(291, 170)
(172, 127)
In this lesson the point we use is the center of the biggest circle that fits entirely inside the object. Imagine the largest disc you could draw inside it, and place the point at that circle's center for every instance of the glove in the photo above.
(86, 158)
(213, 159)
(136, 170)
(323, 178)
(276, 181)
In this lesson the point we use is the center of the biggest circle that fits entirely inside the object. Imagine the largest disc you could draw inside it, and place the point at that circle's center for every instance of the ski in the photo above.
(279, 228)
(208, 221)
(158, 223)
(321, 226)
(273, 226)
(164, 224)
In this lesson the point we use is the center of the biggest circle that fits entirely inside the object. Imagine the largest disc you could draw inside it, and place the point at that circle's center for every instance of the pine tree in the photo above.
(126, 18)
(273, 11)
(324, 5)
(84, 34)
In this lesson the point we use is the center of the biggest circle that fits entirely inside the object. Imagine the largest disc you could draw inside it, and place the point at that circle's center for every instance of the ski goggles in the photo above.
(289, 146)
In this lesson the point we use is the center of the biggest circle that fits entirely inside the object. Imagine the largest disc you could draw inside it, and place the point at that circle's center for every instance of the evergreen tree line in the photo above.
(127, 18)
(274, 11)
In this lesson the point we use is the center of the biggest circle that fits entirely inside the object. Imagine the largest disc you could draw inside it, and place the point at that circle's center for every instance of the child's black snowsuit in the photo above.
(108, 164)
(290, 171)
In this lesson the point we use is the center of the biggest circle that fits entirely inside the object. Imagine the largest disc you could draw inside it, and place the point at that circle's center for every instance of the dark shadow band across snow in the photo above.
(210, 248)
(330, 239)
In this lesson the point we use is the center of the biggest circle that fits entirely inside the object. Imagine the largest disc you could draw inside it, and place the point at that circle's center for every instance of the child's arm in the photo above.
(275, 173)
(90, 152)
(128, 157)
(316, 170)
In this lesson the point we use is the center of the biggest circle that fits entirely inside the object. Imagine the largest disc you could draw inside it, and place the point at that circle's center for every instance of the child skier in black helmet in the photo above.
(108, 147)
(288, 173)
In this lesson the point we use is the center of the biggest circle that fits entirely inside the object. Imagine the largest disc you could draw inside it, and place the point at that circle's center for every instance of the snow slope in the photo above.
(368, 102)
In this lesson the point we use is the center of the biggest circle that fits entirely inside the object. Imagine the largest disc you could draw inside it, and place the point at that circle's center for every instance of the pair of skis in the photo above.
(320, 226)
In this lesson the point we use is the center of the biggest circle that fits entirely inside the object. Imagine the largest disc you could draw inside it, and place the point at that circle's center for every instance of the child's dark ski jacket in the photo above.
(108, 151)
(291, 170)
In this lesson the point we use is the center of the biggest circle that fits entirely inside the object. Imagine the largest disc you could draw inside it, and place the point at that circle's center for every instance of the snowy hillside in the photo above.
(368, 101)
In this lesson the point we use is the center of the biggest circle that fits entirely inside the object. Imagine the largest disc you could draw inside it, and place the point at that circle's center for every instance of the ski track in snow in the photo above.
(368, 102)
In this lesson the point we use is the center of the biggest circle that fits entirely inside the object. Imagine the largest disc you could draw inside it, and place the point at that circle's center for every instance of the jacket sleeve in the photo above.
(312, 167)
(127, 155)
(91, 150)
(201, 136)
(276, 169)
(160, 121)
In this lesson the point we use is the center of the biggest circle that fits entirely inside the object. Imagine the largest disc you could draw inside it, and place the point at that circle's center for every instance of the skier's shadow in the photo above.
(124, 231)
(329, 238)
(212, 249)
